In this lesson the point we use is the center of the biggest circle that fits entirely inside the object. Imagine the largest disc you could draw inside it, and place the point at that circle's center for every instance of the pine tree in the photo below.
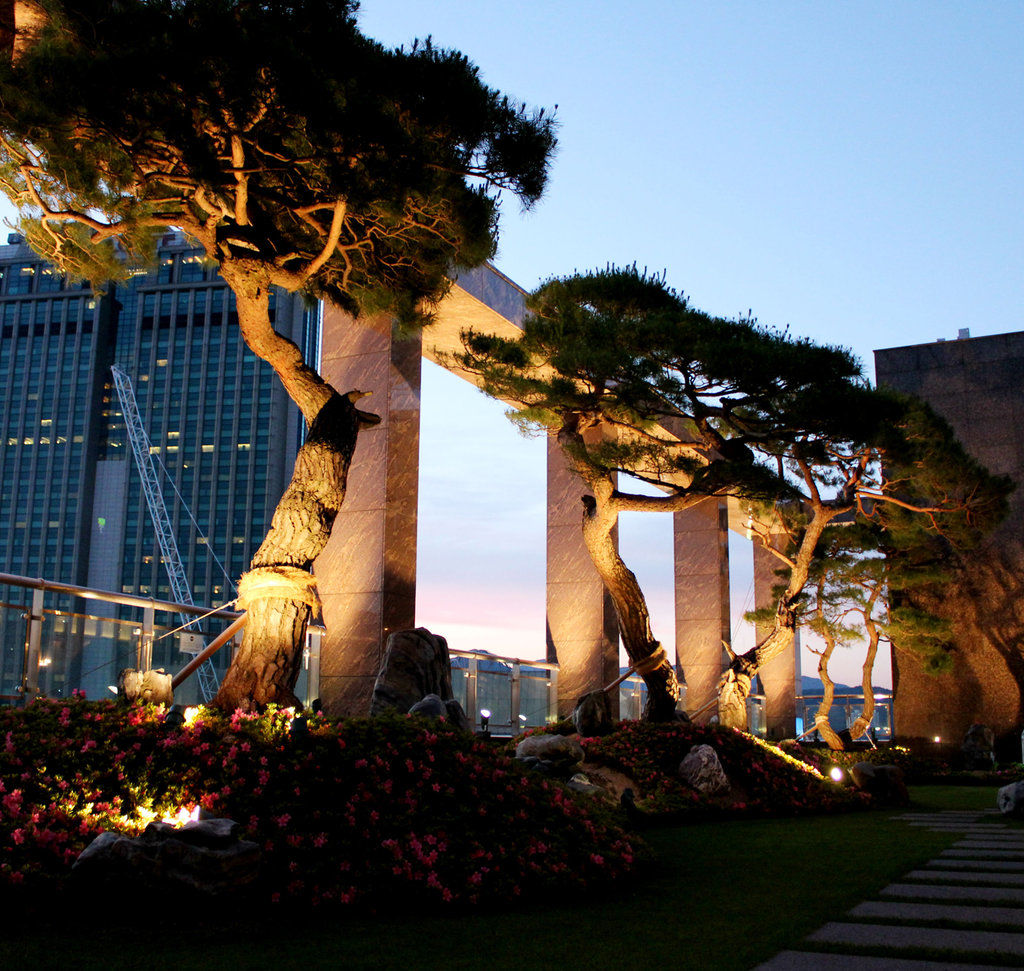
(633, 382)
(299, 154)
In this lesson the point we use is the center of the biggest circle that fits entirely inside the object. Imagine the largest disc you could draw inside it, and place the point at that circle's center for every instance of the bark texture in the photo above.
(735, 685)
(821, 722)
(630, 605)
(267, 666)
(863, 721)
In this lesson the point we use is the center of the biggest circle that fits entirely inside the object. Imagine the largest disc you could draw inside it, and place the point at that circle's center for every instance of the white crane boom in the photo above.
(181, 592)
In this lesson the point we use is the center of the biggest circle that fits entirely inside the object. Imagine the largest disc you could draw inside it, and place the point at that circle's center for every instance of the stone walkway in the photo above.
(967, 905)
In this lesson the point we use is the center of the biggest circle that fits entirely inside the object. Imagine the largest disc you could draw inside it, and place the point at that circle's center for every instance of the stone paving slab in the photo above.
(941, 817)
(952, 827)
(989, 844)
(983, 854)
(810, 961)
(979, 876)
(973, 833)
(938, 938)
(1002, 866)
(1007, 895)
(958, 913)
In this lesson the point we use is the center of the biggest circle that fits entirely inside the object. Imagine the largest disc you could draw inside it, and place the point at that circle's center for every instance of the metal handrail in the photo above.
(110, 596)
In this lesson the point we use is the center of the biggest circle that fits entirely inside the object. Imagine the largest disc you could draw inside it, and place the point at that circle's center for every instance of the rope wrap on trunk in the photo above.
(277, 582)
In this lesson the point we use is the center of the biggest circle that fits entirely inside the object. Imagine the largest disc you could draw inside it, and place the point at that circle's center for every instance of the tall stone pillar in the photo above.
(582, 629)
(701, 556)
(367, 573)
(778, 677)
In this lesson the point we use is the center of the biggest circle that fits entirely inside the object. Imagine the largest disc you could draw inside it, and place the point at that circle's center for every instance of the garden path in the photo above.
(965, 906)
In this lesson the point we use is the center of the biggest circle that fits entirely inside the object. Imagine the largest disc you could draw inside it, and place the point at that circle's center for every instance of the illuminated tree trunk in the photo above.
(821, 722)
(735, 684)
(599, 520)
(278, 593)
(863, 721)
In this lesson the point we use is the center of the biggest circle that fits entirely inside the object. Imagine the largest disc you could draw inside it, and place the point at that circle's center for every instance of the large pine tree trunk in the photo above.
(737, 680)
(631, 606)
(279, 592)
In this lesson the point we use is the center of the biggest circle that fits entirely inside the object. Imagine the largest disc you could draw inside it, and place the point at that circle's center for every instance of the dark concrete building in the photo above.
(977, 385)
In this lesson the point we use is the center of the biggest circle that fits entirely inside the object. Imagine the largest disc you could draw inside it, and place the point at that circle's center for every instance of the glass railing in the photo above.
(511, 694)
(844, 711)
(56, 638)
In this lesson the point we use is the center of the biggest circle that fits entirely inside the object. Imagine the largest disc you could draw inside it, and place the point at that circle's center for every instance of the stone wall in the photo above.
(977, 385)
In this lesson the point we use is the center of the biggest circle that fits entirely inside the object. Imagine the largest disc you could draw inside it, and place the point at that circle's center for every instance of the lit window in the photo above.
(244, 445)
(207, 448)
(154, 449)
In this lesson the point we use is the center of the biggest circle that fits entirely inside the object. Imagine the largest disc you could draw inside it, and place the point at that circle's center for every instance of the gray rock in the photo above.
(883, 782)
(702, 770)
(580, 783)
(1010, 800)
(551, 748)
(457, 715)
(205, 856)
(211, 832)
(429, 706)
(978, 747)
(593, 714)
(145, 687)
(416, 664)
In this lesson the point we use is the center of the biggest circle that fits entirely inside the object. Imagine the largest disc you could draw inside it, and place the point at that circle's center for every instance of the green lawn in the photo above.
(719, 895)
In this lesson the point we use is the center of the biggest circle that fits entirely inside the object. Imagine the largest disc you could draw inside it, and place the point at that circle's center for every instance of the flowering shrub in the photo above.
(356, 810)
(764, 779)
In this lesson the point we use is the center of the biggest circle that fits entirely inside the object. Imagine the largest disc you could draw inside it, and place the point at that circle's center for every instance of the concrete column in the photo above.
(582, 629)
(778, 677)
(367, 573)
(701, 556)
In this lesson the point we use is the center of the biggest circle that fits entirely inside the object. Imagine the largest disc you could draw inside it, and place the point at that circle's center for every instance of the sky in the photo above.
(854, 171)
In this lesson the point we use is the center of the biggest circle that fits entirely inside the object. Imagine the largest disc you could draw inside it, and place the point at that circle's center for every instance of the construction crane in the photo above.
(181, 592)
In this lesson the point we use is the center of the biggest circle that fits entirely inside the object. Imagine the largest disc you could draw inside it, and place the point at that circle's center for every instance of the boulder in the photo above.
(557, 756)
(431, 706)
(416, 664)
(205, 856)
(882, 782)
(1010, 800)
(978, 747)
(702, 770)
(581, 783)
(551, 748)
(593, 714)
(145, 687)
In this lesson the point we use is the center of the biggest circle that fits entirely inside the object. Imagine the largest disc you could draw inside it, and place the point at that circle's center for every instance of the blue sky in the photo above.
(852, 170)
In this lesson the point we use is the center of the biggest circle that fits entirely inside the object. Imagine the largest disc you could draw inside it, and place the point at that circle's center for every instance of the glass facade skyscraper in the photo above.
(72, 507)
